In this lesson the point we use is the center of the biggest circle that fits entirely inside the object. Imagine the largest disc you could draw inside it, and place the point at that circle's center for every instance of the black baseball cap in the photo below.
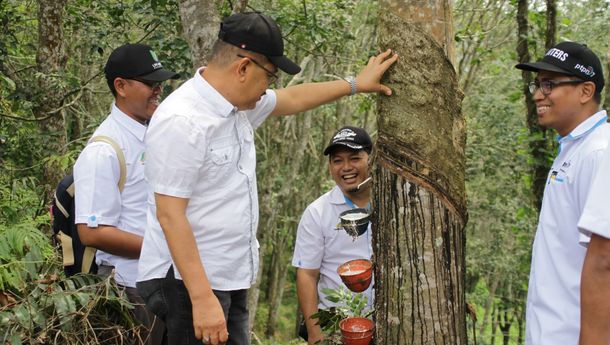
(136, 61)
(573, 59)
(355, 138)
(259, 33)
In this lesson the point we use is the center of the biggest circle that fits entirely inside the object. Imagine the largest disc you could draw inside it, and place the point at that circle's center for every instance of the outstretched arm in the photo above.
(298, 98)
(595, 294)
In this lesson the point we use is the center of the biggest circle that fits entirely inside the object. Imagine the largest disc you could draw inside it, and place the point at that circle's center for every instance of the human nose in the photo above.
(347, 165)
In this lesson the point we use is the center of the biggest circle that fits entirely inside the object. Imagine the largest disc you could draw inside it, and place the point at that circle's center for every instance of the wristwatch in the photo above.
(352, 84)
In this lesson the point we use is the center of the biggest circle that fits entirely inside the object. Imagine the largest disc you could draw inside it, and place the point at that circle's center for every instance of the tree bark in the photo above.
(50, 61)
(551, 24)
(419, 199)
(200, 23)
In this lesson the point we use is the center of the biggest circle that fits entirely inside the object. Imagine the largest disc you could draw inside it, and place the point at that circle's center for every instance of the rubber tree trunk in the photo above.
(200, 23)
(50, 62)
(419, 198)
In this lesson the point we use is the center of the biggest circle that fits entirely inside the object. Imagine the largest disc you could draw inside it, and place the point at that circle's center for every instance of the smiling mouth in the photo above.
(349, 177)
(541, 109)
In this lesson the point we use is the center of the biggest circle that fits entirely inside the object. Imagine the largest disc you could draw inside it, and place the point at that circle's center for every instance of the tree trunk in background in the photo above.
(50, 61)
(419, 194)
(521, 325)
(505, 322)
(538, 136)
(551, 24)
(275, 298)
(489, 303)
(607, 86)
(200, 22)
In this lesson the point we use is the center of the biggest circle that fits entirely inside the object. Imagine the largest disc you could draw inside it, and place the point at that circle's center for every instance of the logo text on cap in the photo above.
(588, 71)
(344, 134)
(557, 53)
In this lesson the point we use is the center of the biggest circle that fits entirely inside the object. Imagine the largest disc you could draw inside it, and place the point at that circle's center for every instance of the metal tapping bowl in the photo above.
(354, 225)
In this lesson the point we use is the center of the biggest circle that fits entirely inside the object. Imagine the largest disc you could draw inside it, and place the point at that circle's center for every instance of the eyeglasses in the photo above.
(547, 86)
(271, 77)
(151, 84)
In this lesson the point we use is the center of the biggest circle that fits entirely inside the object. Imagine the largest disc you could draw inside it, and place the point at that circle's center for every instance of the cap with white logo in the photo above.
(136, 61)
(355, 138)
(573, 59)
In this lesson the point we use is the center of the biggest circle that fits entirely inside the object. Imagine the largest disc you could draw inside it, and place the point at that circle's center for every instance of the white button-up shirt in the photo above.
(201, 148)
(553, 301)
(319, 245)
(97, 197)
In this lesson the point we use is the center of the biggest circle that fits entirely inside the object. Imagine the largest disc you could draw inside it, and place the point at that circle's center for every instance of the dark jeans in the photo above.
(169, 299)
(155, 329)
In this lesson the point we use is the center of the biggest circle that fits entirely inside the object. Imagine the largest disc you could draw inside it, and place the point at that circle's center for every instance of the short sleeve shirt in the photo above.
(320, 245)
(553, 302)
(201, 148)
(98, 200)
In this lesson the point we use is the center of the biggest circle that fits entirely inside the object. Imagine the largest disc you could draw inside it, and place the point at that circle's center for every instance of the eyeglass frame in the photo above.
(271, 76)
(151, 84)
(533, 86)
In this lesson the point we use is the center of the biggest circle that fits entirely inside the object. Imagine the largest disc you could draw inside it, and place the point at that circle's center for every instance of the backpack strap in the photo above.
(89, 253)
(120, 156)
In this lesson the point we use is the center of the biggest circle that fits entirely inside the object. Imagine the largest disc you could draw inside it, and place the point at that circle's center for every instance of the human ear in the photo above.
(587, 91)
(120, 86)
(241, 68)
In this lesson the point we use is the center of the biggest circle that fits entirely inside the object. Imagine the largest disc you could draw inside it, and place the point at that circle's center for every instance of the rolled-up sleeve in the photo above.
(309, 247)
(175, 152)
(96, 176)
(264, 107)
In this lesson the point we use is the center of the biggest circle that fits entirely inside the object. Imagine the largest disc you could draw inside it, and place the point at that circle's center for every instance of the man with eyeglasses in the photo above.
(200, 253)
(108, 219)
(567, 92)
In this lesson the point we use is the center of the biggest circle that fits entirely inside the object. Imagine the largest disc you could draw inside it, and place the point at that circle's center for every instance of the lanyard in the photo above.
(351, 204)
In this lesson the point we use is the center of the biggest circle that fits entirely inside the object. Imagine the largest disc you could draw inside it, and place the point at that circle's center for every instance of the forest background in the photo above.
(53, 95)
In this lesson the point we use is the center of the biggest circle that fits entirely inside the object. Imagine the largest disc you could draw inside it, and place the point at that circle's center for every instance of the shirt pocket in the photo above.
(222, 154)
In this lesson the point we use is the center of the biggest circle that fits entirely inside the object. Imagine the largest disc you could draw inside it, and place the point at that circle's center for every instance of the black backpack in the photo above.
(77, 258)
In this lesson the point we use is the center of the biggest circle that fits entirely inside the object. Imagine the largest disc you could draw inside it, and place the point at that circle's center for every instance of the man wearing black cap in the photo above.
(107, 218)
(567, 92)
(201, 168)
(320, 246)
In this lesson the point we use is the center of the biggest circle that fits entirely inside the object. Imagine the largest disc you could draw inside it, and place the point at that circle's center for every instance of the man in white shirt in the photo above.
(107, 219)
(320, 247)
(567, 92)
(200, 253)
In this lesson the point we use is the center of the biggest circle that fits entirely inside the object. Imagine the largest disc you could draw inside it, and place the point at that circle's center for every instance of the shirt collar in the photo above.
(211, 96)
(134, 127)
(585, 127)
(336, 196)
